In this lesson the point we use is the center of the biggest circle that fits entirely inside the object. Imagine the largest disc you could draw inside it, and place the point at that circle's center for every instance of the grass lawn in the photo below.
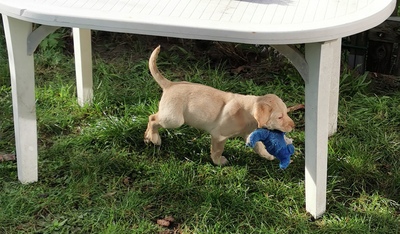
(96, 175)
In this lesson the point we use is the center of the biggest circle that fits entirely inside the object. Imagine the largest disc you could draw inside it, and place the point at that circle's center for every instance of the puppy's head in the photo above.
(271, 112)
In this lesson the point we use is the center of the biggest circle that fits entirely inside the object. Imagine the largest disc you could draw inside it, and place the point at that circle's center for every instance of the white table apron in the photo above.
(319, 67)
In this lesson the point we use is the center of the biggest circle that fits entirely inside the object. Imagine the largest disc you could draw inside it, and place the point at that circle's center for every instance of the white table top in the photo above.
(244, 21)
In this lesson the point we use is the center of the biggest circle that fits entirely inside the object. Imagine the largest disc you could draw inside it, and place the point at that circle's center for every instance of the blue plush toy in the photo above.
(275, 144)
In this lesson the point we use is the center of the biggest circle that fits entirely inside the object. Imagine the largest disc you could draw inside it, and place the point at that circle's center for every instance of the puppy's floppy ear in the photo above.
(262, 113)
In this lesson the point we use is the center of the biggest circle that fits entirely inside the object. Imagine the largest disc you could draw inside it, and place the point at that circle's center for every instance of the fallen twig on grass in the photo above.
(295, 107)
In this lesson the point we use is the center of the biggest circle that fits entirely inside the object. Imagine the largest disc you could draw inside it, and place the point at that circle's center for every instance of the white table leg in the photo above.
(335, 81)
(83, 65)
(321, 58)
(23, 97)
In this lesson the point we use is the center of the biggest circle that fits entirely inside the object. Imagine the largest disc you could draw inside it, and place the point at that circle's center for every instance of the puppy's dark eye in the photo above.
(280, 117)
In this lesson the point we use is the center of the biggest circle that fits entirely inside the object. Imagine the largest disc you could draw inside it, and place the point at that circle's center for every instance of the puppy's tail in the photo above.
(160, 79)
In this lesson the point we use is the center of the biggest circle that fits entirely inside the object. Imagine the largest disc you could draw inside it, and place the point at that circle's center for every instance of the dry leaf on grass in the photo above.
(110, 194)
(166, 222)
(7, 157)
(163, 222)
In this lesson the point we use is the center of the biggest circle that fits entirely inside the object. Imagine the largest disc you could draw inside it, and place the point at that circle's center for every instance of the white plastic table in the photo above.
(320, 24)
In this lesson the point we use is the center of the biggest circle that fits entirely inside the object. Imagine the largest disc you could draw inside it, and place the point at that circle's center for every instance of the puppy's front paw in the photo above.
(220, 161)
(155, 138)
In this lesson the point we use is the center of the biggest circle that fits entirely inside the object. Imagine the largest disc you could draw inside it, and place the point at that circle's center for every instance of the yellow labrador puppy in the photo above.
(222, 114)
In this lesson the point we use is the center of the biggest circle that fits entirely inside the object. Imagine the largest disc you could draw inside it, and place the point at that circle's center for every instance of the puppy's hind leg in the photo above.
(217, 147)
(151, 134)
(161, 119)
